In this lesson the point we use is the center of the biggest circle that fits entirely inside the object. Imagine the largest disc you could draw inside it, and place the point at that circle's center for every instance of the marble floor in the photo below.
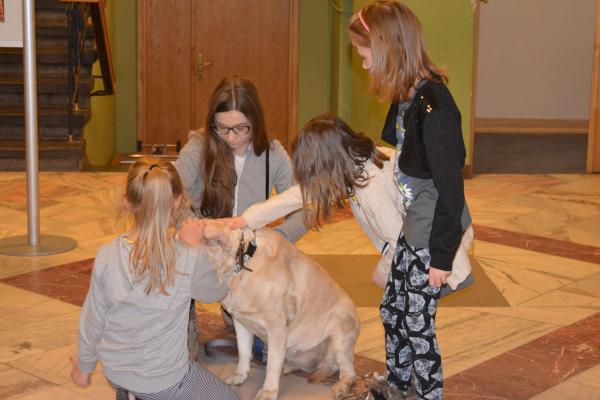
(529, 328)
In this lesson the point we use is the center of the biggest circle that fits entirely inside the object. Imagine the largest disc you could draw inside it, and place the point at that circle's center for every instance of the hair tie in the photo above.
(150, 169)
(362, 21)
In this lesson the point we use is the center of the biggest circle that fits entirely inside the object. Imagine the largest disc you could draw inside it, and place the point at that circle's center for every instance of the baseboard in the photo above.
(529, 126)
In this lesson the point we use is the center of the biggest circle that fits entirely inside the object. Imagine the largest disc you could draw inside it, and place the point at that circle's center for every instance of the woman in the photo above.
(231, 164)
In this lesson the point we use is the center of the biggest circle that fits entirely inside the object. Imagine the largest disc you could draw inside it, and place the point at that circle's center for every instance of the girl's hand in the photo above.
(80, 379)
(191, 231)
(438, 277)
(234, 222)
(378, 280)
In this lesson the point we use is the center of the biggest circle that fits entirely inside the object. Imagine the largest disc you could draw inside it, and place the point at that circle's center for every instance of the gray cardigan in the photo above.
(251, 187)
(140, 339)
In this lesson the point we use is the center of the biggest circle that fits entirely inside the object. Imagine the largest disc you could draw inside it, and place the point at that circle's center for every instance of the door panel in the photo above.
(249, 39)
(167, 71)
(254, 39)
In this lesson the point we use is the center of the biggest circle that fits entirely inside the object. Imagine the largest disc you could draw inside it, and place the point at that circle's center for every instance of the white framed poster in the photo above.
(11, 23)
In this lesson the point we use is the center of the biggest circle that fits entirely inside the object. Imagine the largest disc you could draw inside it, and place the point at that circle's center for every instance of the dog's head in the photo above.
(223, 245)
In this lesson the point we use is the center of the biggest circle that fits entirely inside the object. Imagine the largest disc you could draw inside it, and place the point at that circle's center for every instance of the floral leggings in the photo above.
(408, 312)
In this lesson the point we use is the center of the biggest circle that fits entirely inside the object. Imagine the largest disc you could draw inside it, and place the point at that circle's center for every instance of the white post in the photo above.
(31, 123)
(33, 244)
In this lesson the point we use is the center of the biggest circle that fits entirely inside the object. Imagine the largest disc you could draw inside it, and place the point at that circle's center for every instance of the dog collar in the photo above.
(244, 256)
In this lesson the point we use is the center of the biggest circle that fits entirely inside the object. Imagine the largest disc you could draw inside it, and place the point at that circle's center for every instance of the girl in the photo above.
(136, 310)
(333, 164)
(232, 165)
(425, 123)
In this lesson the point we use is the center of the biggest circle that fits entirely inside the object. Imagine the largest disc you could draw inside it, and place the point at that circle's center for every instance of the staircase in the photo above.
(63, 89)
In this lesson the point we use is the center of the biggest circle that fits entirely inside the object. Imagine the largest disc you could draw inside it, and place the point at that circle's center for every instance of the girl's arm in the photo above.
(189, 167)
(278, 206)
(441, 135)
(207, 285)
(93, 315)
(282, 177)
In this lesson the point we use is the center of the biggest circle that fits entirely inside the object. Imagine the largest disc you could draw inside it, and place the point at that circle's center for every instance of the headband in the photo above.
(362, 21)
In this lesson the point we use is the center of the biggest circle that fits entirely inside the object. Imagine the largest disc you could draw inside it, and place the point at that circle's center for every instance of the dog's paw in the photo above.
(340, 390)
(236, 379)
(266, 395)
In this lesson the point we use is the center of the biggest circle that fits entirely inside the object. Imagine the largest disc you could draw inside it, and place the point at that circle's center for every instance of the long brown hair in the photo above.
(153, 191)
(329, 162)
(233, 93)
(395, 37)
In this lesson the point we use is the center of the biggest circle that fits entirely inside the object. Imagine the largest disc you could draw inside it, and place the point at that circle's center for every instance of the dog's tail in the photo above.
(321, 374)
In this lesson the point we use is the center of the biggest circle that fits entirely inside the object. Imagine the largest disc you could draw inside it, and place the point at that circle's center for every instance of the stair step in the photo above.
(44, 132)
(55, 22)
(43, 99)
(48, 52)
(54, 70)
(52, 122)
(48, 4)
(54, 84)
(54, 155)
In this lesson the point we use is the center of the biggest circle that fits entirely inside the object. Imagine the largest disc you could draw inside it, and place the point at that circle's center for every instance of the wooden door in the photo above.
(255, 39)
(593, 154)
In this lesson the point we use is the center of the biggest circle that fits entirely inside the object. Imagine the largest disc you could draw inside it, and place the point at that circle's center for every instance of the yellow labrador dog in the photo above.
(284, 297)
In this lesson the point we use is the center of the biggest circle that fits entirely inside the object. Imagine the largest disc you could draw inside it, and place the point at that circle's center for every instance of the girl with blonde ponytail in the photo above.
(135, 314)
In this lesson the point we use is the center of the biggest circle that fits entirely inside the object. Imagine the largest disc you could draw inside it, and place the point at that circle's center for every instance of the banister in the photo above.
(100, 25)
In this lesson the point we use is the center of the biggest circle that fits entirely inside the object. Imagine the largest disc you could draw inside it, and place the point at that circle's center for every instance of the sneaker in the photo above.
(259, 351)
(122, 394)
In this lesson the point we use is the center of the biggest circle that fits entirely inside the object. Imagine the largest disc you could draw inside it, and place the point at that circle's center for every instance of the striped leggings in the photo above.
(198, 383)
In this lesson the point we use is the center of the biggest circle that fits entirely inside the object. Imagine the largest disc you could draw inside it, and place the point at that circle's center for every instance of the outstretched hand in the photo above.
(234, 222)
(80, 379)
(191, 231)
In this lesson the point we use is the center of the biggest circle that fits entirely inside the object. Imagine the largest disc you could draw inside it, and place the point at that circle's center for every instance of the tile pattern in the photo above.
(532, 368)
(536, 245)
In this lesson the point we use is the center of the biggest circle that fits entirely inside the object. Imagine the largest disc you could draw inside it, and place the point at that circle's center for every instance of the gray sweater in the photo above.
(140, 339)
(251, 187)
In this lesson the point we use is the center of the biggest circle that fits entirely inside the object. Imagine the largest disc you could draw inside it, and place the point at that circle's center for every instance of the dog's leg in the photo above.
(244, 344)
(342, 347)
(277, 341)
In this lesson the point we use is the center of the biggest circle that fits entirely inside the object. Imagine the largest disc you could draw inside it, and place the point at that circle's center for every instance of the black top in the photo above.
(434, 149)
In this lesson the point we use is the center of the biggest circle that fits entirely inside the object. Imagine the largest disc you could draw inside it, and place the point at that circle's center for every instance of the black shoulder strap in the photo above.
(267, 175)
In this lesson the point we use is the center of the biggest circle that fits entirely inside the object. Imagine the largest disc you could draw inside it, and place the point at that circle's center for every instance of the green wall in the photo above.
(315, 53)
(125, 52)
(448, 29)
(99, 133)
(112, 127)
(329, 74)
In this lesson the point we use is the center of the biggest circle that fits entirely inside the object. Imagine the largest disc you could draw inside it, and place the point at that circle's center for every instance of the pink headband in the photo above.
(362, 21)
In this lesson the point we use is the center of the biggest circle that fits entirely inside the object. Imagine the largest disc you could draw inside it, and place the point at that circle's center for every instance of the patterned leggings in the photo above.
(198, 383)
(408, 312)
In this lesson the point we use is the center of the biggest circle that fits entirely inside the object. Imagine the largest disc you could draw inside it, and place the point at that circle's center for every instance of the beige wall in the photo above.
(535, 59)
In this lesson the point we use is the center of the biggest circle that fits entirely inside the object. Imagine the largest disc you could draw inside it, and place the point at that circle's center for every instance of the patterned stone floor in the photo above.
(528, 328)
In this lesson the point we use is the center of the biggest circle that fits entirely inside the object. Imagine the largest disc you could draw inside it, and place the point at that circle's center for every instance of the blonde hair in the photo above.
(394, 35)
(153, 190)
(329, 162)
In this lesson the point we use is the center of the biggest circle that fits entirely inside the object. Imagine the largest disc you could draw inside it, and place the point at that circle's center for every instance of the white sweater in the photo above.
(377, 208)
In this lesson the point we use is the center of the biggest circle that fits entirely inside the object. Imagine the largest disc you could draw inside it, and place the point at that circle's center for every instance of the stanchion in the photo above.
(32, 244)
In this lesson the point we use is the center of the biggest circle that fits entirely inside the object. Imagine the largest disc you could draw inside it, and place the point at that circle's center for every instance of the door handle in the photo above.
(200, 65)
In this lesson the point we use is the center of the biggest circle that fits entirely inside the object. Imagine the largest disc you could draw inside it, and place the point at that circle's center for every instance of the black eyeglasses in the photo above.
(222, 130)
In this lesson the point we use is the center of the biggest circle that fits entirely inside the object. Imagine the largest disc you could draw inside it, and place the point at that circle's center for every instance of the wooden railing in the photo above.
(96, 10)
(79, 12)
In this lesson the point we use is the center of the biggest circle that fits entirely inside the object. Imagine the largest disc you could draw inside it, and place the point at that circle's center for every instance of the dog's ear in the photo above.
(217, 232)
